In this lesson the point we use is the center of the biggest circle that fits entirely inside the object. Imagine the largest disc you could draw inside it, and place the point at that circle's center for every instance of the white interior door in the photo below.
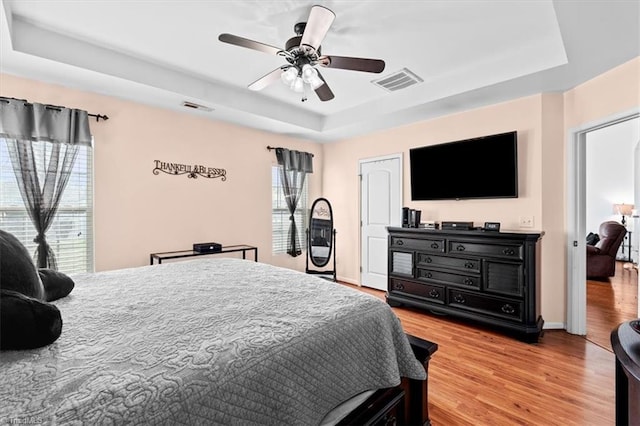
(380, 206)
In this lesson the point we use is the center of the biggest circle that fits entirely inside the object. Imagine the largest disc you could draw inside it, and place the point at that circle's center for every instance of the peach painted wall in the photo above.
(542, 121)
(553, 195)
(341, 181)
(137, 213)
(616, 91)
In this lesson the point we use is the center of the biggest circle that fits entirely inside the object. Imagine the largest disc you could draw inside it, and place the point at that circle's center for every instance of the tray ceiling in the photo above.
(467, 54)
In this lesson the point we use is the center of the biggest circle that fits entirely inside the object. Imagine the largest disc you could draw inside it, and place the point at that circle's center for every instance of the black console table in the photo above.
(487, 277)
(626, 345)
(190, 253)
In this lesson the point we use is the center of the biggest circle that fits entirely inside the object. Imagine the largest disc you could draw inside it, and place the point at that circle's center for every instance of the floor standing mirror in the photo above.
(321, 239)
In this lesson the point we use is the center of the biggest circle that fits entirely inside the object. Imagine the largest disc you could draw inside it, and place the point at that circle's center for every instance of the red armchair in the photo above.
(601, 258)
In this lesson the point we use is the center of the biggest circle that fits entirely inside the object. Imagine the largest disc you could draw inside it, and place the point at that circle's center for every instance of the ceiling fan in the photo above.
(302, 53)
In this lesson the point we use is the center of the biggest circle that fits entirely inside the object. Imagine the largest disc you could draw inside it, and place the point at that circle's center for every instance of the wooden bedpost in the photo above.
(406, 404)
(417, 391)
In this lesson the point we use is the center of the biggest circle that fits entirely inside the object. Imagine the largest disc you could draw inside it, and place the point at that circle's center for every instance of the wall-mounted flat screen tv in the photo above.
(484, 167)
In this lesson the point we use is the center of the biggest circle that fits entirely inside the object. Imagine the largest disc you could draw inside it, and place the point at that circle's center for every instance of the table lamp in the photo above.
(623, 210)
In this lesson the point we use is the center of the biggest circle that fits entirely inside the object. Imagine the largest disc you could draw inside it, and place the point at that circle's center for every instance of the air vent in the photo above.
(196, 106)
(398, 80)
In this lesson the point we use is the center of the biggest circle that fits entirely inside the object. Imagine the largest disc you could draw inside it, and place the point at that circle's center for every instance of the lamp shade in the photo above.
(623, 209)
(289, 76)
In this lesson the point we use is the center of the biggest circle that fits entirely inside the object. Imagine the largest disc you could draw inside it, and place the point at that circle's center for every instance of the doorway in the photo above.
(380, 206)
(576, 219)
(610, 188)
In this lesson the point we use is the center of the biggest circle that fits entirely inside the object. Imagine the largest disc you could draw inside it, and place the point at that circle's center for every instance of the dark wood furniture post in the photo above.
(625, 342)
(417, 391)
(405, 404)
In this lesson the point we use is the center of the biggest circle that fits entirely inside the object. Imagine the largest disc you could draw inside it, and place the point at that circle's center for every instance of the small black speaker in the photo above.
(414, 218)
(405, 217)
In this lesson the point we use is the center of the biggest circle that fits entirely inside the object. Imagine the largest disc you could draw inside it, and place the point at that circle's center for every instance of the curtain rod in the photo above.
(56, 107)
(273, 147)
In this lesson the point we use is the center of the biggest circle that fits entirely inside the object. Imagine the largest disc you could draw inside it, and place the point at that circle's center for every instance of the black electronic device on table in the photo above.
(207, 247)
(457, 226)
(491, 226)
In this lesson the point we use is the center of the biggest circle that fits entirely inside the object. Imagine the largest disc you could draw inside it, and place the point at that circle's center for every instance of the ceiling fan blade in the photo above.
(324, 92)
(263, 82)
(249, 44)
(320, 19)
(355, 64)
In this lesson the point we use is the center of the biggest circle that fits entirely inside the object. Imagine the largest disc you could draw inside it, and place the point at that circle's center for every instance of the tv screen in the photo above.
(485, 167)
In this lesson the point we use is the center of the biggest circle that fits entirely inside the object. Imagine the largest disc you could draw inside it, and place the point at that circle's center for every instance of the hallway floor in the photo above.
(611, 302)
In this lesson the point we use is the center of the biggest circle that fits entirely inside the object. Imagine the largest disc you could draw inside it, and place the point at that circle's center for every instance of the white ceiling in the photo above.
(468, 52)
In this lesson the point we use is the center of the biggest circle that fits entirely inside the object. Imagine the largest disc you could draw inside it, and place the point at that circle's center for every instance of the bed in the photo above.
(216, 341)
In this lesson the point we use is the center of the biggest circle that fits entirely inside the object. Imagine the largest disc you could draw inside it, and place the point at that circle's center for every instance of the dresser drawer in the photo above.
(448, 278)
(433, 293)
(427, 245)
(433, 261)
(497, 307)
(507, 251)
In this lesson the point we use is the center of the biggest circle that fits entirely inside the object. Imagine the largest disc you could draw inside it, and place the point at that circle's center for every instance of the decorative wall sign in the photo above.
(191, 171)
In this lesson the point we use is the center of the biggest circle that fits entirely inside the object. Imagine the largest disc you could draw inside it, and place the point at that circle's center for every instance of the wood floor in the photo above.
(611, 302)
(479, 377)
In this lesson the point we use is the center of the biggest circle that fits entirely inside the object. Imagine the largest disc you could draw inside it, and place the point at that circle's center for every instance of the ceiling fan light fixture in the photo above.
(316, 82)
(289, 76)
(297, 85)
(308, 73)
(310, 76)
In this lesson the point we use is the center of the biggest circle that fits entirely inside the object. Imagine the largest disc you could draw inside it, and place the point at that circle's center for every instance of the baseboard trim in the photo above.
(554, 326)
(348, 281)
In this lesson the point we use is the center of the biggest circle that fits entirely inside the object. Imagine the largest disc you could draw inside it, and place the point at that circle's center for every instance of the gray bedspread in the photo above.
(207, 341)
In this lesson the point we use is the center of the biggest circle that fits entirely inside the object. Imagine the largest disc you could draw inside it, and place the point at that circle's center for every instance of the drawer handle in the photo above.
(428, 259)
(434, 293)
(508, 309)
(458, 298)
(428, 275)
(509, 251)
(468, 281)
(435, 245)
(399, 286)
(460, 247)
(469, 265)
(399, 242)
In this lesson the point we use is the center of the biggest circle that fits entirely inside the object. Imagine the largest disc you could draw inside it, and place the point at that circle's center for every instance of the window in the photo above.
(280, 214)
(71, 233)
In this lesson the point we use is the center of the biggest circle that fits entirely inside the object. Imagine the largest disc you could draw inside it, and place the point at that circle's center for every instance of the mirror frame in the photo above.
(310, 236)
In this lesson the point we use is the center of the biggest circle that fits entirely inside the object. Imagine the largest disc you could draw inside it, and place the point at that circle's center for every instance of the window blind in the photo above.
(71, 233)
(280, 214)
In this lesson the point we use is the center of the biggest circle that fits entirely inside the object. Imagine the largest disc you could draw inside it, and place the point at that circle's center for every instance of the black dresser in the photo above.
(483, 276)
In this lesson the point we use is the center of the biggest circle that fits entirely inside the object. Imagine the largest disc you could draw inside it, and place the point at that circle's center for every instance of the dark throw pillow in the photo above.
(592, 239)
(56, 284)
(17, 271)
(27, 323)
